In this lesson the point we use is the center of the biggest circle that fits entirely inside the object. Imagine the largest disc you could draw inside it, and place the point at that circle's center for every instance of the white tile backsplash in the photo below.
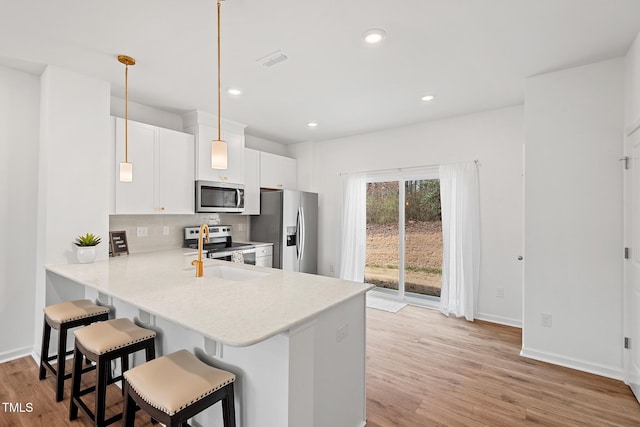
(156, 240)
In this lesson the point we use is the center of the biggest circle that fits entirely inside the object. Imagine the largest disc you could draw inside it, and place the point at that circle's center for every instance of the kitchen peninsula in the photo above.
(295, 341)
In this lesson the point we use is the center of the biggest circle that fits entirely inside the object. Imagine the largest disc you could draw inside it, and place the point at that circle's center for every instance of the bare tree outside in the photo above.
(423, 231)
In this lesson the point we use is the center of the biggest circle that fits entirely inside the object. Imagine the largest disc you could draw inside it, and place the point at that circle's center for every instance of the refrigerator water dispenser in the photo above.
(291, 236)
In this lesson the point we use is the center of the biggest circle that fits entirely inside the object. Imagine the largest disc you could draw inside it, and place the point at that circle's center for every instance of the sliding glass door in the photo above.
(423, 238)
(381, 268)
(404, 235)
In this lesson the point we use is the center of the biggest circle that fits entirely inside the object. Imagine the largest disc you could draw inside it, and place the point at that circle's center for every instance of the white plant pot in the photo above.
(86, 254)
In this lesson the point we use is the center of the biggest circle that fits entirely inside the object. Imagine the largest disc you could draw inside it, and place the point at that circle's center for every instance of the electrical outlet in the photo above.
(165, 230)
(545, 319)
(330, 268)
(241, 227)
(143, 231)
(500, 293)
(342, 332)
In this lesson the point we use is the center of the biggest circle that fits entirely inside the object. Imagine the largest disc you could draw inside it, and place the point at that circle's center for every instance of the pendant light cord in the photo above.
(126, 114)
(219, 138)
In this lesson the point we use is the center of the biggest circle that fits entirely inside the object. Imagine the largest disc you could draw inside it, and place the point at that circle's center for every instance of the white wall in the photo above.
(573, 217)
(632, 84)
(145, 114)
(306, 173)
(495, 138)
(19, 124)
(74, 171)
(261, 144)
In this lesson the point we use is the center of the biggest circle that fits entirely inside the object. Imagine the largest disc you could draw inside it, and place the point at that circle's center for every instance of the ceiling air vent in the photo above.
(272, 59)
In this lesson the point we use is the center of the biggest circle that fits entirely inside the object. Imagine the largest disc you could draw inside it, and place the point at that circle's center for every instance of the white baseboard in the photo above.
(35, 355)
(10, 355)
(580, 365)
(500, 320)
(636, 390)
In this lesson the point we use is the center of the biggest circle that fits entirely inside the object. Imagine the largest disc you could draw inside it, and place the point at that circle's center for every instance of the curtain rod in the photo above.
(407, 169)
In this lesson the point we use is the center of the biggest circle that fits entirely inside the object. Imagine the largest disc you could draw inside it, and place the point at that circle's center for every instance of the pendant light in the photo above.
(218, 147)
(126, 168)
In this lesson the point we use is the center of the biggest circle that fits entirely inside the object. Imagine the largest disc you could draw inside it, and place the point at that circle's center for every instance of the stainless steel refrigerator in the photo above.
(289, 220)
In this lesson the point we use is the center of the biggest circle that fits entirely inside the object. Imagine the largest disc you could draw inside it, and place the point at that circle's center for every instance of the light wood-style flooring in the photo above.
(423, 369)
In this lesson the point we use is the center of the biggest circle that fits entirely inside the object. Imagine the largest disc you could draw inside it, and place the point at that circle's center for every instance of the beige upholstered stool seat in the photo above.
(73, 310)
(102, 343)
(176, 381)
(104, 337)
(177, 387)
(64, 317)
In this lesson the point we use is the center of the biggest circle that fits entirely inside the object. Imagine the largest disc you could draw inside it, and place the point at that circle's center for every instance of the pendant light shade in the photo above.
(126, 172)
(218, 154)
(218, 147)
(126, 168)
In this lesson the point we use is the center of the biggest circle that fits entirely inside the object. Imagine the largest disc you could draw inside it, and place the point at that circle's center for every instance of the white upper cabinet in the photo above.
(163, 170)
(251, 182)
(204, 127)
(278, 172)
(176, 178)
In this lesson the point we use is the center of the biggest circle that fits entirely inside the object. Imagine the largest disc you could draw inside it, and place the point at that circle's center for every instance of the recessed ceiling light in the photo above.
(234, 91)
(312, 124)
(373, 36)
(428, 98)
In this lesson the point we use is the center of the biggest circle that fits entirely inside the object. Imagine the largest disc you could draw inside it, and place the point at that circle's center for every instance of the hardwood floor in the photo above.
(19, 384)
(423, 369)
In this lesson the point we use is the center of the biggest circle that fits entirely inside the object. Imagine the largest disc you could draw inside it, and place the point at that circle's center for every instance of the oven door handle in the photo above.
(217, 255)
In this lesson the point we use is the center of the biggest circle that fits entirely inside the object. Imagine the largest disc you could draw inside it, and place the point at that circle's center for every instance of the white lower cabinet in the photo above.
(264, 256)
(163, 170)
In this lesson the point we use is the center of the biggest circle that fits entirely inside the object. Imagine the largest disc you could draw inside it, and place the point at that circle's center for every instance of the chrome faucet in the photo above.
(204, 228)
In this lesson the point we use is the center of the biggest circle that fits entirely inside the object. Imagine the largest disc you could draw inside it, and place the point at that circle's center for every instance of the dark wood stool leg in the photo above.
(150, 354)
(150, 351)
(228, 407)
(129, 411)
(124, 367)
(76, 374)
(44, 350)
(60, 369)
(102, 368)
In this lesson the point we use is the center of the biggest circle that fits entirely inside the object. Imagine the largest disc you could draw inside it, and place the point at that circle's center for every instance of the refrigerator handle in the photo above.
(303, 229)
(298, 235)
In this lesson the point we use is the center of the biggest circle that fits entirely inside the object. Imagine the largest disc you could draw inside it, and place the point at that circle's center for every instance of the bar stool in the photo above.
(101, 343)
(63, 317)
(176, 387)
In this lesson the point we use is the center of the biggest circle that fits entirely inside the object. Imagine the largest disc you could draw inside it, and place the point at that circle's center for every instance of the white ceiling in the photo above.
(472, 54)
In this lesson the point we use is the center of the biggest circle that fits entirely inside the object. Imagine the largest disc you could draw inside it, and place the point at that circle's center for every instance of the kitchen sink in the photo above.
(231, 273)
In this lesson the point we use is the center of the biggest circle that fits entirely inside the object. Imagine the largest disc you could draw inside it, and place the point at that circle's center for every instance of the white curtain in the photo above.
(461, 239)
(354, 227)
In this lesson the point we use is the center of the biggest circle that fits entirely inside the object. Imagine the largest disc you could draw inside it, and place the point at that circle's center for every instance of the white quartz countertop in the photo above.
(232, 312)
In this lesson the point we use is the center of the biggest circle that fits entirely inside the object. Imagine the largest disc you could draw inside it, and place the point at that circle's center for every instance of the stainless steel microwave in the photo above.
(219, 197)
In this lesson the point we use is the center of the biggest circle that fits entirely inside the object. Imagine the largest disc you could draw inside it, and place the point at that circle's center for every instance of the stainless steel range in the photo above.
(220, 245)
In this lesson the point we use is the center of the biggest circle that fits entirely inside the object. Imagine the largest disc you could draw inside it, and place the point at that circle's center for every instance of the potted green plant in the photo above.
(86, 247)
